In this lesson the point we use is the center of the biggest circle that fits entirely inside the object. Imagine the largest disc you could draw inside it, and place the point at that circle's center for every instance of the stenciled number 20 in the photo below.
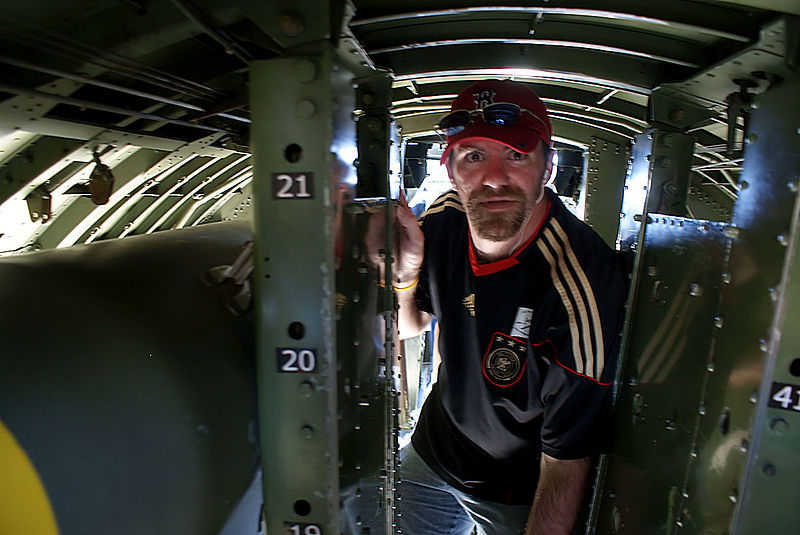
(296, 360)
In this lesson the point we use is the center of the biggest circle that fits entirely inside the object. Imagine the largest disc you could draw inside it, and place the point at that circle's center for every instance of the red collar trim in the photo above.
(480, 270)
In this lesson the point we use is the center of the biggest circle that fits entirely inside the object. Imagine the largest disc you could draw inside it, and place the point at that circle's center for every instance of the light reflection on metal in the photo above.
(565, 115)
(189, 197)
(606, 97)
(540, 42)
(232, 188)
(593, 13)
(154, 206)
(446, 98)
(731, 165)
(122, 201)
(522, 75)
(566, 118)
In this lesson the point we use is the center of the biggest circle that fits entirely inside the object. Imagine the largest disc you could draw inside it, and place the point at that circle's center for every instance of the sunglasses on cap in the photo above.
(500, 113)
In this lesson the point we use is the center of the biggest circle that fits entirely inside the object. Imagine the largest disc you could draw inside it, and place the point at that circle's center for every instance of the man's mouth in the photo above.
(497, 204)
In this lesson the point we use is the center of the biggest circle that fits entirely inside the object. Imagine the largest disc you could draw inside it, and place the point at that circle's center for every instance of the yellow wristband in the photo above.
(404, 288)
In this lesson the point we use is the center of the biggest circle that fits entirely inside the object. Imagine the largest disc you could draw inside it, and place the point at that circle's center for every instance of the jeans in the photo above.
(427, 505)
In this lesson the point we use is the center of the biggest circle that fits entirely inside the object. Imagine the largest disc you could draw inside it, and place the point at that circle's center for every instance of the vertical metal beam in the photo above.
(302, 107)
(375, 136)
(605, 178)
(768, 214)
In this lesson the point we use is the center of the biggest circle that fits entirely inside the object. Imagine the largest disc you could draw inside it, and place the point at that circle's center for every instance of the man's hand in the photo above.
(409, 245)
(408, 249)
(559, 496)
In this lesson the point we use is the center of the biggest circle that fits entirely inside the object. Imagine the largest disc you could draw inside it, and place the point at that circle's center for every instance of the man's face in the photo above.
(498, 186)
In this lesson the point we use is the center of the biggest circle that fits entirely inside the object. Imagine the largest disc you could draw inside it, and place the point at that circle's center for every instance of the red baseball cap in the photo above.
(532, 126)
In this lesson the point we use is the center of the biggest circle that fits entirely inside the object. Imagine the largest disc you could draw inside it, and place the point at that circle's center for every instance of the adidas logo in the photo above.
(469, 304)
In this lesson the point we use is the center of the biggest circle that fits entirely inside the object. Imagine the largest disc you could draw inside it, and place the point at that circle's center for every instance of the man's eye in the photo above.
(474, 157)
(518, 155)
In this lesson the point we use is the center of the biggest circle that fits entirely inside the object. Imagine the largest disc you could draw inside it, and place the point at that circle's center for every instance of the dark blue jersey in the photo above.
(529, 348)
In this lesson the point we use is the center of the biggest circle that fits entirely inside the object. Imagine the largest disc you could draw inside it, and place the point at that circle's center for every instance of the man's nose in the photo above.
(495, 174)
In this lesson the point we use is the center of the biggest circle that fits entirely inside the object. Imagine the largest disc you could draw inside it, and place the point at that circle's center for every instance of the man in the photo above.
(529, 303)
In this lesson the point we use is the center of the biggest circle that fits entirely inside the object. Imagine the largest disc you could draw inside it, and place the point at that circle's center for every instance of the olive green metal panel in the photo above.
(130, 385)
(657, 181)
(635, 191)
(705, 201)
(605, 178)
(302, 133)
(764, 304)
(666, 359)
(708, 396)
(367, 393)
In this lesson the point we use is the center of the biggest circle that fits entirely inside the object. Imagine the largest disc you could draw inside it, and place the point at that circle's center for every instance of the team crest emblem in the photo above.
(505, 360)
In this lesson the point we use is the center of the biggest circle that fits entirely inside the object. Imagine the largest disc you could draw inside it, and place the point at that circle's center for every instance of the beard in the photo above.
(498, 226)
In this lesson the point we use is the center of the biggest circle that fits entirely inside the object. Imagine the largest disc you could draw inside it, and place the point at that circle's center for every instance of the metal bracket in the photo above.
(239, 272)
(39, 204)
(669, 110)
(739, 105)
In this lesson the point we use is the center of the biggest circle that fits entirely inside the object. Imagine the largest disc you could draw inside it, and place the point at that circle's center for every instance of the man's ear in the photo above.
(548, 166)
(449, 172)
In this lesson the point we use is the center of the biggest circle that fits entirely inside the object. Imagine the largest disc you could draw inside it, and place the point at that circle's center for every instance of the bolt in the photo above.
(769, 469)
(753, 397)
(307, 432)
(291, 24)
(779, 425)
(751, 138)
(695, 290)
(726, 278)
(783, 240)
(306, 109)
(305, 389)
(305, 70)
(677, 115)
(710, 368)
(702, 410)
(718, 322)
(773, 294)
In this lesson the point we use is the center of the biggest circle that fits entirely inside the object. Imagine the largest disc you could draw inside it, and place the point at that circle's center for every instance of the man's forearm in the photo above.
(559, 496)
